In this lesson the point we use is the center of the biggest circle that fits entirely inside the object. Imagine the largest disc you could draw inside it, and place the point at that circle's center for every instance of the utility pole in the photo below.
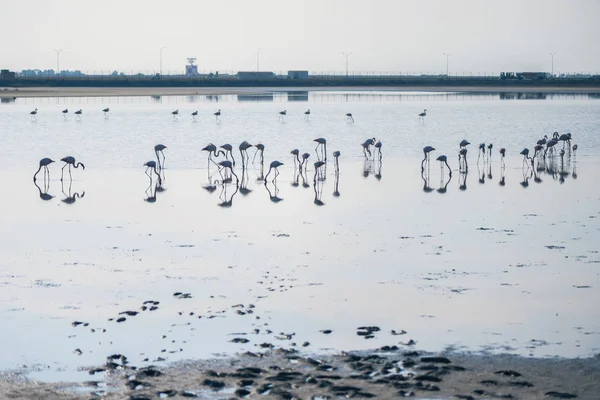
(161, 50)
(447, 57)
(58, 60)
(258, 60)
(347, 55)
(552, 54)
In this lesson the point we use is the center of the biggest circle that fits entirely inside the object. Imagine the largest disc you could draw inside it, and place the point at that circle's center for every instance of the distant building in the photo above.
(7, 75)
(533, 75)
(255, 75)
(297, 74)
(191, 68)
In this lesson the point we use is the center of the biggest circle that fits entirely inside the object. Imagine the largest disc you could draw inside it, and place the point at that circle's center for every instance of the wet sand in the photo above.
(389, 372)
(173, 91)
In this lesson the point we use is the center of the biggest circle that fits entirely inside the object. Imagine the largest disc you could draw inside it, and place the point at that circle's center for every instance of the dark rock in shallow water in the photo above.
(464, 397)
(130, 313)
(246, 382)
(149, 372)
(510, 373)
(326, 331)
(187, 393)
(284, 376)
(427, 378)
(520, 384)
(239, 340)
(213, 384)
(134, 383)
(139, 398)
(440, 360)
(560, 395)
(122, 319)
(242, 393)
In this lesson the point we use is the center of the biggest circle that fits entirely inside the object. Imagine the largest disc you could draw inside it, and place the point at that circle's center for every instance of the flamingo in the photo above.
(65, 112)
(575, 149)
(244, 146)
(282, 114)
(336, 162)
(274, 165)
(550, 146)
(152, 165)
(463, 153)
(69, 160)
(481, 150)
(564, 138)
(543, 141)
(259, 147)
(212, 149)
(34, 114)
(307, 114)
(349, 117)
(175, 114)
(490, 146)
(525, 153)
(159, 149)
(366, 146)
(217, 115)
(422, 115)
(78, 113)
(321, 142)
(106, 111)
(426, 151)
(464, 143)
(44, 162)
(194, 114)
(227, 164)
(443, 159)
(304, 158)
(502, 152)
(318, 166)
(296, 152)
(228, 149)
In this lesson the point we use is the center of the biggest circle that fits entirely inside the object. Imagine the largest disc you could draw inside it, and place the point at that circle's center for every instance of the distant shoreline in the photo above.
(24, 92)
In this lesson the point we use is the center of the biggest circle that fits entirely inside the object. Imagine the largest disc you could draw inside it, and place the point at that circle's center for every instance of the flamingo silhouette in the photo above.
(274, 165)
(69, 160)
(422, 115)
(426, 151)
(65, 112)
(217, 115)
(226, 164)
(33, 114)
(152, 165)
(175, 114)
(244, 146)
(321, 142)
(444, 160)
(78, 114)
(259, 147)
(159, 149)
(212, 150)
(349, 117)
(44, 162)
(106, 111)
(282, 114)
(228, 149)
(307, 114)
(194, 114)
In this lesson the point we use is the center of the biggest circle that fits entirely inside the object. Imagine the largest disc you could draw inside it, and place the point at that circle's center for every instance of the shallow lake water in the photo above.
(501, 260)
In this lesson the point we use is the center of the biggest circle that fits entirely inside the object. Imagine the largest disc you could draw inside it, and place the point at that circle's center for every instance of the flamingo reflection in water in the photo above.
(227, 165)
(70, 198)
(225, 201)
(426, 185)
(318, 183)
(44, 193)
(244, 182)
(273, 196)
(462, 181)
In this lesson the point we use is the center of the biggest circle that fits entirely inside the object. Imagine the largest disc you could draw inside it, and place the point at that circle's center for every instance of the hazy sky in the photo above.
(225, 35)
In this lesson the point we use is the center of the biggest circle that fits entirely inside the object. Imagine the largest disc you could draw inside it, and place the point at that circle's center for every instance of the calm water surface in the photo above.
(465, 262)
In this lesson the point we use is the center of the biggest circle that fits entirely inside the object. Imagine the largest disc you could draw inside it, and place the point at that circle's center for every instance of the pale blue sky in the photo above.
(383, 35)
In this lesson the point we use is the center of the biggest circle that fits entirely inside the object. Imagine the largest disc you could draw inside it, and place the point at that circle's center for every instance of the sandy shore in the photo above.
(186, 91)
(285, 374)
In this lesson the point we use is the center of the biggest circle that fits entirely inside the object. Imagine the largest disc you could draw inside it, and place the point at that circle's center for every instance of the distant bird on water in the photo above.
(34, 114)
(217, 115)
(65, 112)
(44, 162)
(378, 148)
(295, 153)
(307, 114)
(194, 115)
(78, 113)
(106, 111)
(282, 114)
(464, 143)
(422, 115)
(69, 160)
(274, 165)
(349, 117)
(502, 152)
(175, 114)
(490, 147)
